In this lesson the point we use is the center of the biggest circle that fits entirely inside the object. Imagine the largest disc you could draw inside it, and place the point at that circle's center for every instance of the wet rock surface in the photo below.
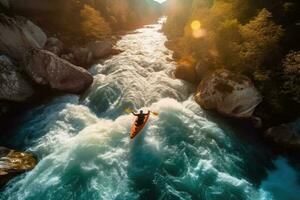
(13, 163)
(13, 84)
(54, 45)
(19, 34)
(46, 68)
(231, 94)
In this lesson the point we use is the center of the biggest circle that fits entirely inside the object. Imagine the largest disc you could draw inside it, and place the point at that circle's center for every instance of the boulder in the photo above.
(100, 49)
(69, 57)
(55, 46)
(284, 135)
(46, 68)
(13, 163)
(13, 86)
(186, 72)
(19, 34)
(231, 94)
(85, 56)
(82, 56)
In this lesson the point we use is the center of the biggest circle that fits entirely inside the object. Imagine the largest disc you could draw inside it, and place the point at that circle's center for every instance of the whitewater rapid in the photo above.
(85, 152)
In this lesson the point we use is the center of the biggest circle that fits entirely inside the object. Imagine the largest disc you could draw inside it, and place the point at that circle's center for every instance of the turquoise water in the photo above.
(85, 152)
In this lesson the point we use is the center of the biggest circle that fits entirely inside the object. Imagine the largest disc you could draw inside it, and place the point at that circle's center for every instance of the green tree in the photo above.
(261, 38)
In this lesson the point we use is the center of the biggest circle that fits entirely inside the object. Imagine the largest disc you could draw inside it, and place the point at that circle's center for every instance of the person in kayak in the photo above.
(140, 117)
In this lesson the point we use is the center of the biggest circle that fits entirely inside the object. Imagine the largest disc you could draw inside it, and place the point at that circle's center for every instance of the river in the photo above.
(85, 152)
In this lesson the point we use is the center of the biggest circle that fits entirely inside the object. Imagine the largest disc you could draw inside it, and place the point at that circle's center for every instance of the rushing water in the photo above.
(85, 152)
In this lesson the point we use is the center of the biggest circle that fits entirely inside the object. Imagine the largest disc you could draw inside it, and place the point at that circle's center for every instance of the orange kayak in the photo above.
(137, 129)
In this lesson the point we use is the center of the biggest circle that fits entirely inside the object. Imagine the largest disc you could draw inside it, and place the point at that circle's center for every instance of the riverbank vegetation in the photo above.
(259, 39)
(83, 20)
(77, 31)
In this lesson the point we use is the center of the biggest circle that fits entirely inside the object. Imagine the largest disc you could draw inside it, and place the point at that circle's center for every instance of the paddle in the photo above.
(129, 110)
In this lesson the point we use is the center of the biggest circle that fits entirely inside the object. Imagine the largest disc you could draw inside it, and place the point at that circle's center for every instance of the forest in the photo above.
(259, 39)
(149, 99)
(79, 21)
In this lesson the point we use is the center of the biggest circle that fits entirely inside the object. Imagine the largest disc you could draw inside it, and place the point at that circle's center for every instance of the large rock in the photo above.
(55, 46)
(100, 49)
(82, 56)
(46, 68)
(70, 58)
(13, 86)
(91, 52)
(13, 163)
(284, 135)
(228, 93)
(18, 35)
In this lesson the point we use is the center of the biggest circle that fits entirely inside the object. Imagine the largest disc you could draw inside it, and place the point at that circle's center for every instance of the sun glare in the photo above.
(197, 31)
(195, 25)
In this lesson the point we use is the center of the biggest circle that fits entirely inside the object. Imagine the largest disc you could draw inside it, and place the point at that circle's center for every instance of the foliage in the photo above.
(93, 24)
(261, 37)
(291, 69)
(246, 36)
(79, 21)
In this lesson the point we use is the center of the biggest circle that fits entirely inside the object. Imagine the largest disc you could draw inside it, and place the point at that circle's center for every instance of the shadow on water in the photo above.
(242, 132)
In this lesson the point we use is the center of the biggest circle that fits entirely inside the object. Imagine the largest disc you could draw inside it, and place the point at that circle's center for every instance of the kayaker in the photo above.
(140, 117)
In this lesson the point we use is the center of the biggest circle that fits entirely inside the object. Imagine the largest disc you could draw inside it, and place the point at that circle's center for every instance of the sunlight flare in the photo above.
(197, 31)
(195, 25)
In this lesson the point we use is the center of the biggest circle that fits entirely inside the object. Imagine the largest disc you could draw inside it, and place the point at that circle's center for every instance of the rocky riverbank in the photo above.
(29, 58)
(46, 49)
(245, 64)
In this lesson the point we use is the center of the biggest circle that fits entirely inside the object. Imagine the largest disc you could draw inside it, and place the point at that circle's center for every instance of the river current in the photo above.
(85, 152)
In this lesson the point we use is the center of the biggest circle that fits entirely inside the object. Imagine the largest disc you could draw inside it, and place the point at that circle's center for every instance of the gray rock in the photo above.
(228, 93)
(18, 34)
(13, 86)
(82, 56)
(69, 57)
(55, 46)
(13, 163)
(46, 68)
(85, 56)
(100, 49)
